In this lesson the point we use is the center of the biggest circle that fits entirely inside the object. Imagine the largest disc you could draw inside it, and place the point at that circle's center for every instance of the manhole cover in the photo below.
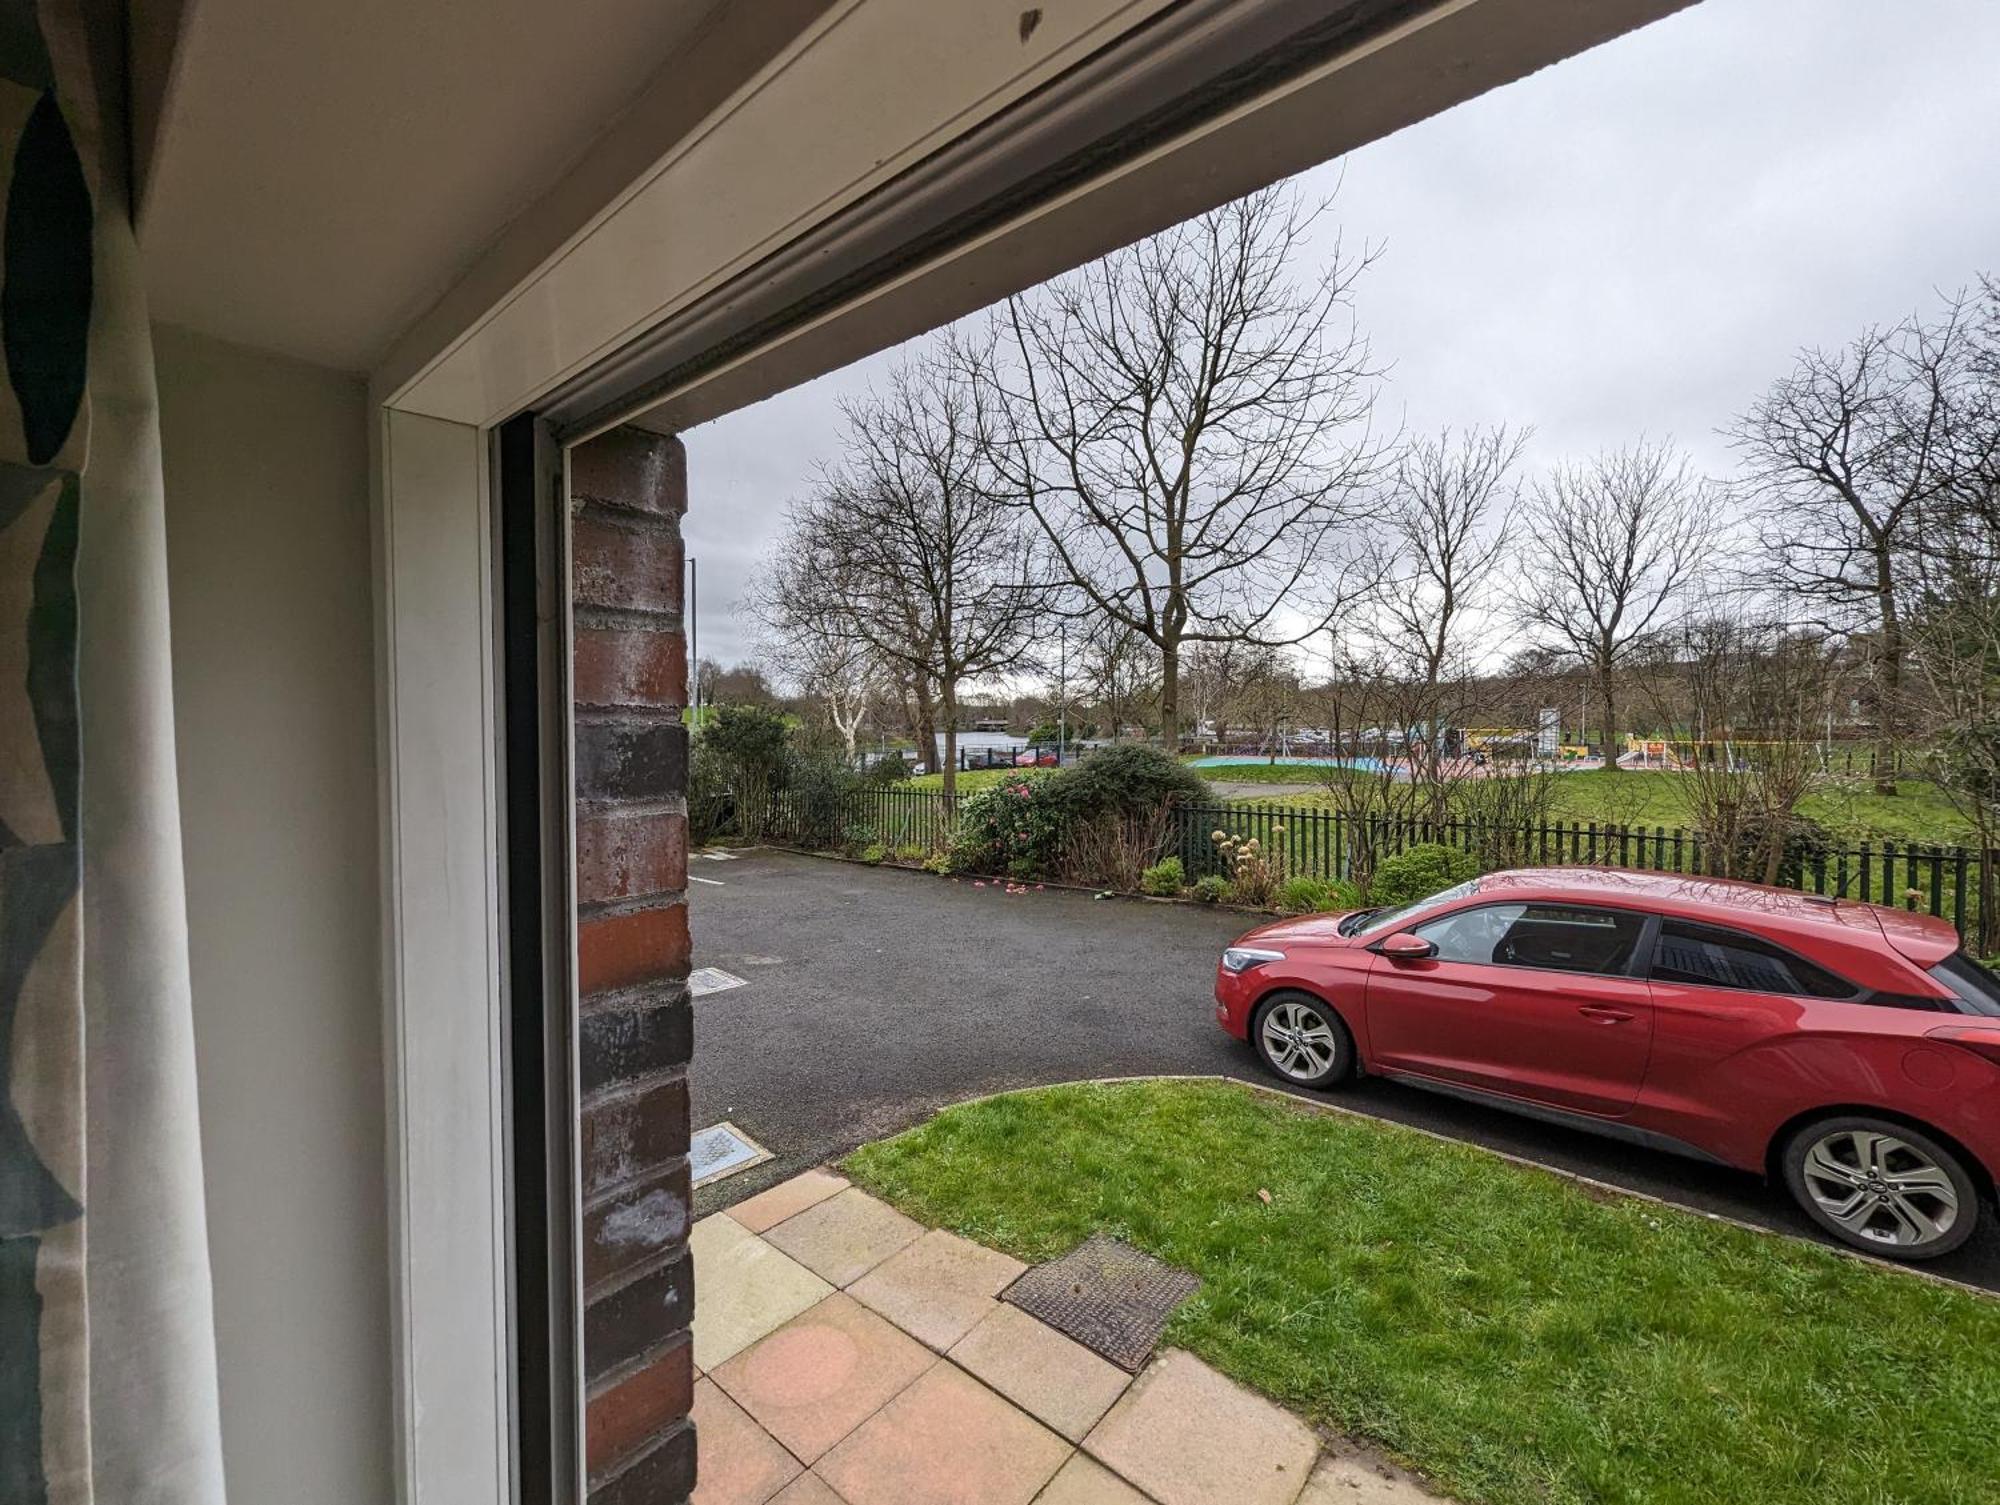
(705, 980)
(722, 1151)
(1113, 1299)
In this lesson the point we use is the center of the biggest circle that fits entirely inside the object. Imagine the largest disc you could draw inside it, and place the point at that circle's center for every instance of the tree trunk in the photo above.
(1170, 696)
(1607, 696)
(1888, 692)
(920, 691)
(948, 704)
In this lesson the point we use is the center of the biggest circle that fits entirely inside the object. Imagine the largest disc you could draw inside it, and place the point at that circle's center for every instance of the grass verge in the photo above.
(1504, 1330)
(1850, 808)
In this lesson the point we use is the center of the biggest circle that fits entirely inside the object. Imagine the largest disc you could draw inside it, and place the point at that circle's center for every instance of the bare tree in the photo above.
(907, 548)
(826, 660)
(1436, 561)
(1845, 457)
(1189, 425)
(1759, 690)
(1114, 668)
(1607, 551)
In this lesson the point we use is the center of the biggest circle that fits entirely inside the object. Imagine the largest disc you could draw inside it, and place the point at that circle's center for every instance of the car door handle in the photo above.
(1602, 1013)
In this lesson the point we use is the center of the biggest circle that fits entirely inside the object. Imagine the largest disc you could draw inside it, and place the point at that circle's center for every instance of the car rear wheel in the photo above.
(1300, 1038)
(1882, 1186)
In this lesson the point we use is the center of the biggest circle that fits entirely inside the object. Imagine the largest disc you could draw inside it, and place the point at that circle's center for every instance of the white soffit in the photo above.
(327, 168)
(880, 84)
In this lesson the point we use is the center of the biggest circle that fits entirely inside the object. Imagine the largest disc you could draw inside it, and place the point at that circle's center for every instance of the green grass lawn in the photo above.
(969, 780)
(1850, 808)
(1511, 1334)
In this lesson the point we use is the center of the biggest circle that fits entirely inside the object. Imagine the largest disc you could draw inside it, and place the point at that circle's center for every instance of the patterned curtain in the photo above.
(107, 1357)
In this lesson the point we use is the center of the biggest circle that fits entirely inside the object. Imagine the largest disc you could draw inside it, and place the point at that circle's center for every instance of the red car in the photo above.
(1851, 1050)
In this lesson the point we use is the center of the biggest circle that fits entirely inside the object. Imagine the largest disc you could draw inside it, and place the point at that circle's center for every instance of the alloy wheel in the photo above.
(1299, 1041)
(1881, 1188)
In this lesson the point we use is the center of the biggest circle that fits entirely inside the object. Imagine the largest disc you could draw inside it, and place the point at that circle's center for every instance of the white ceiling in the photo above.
(328, 170)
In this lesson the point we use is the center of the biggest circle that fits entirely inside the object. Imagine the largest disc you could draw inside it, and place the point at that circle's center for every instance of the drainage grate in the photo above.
(722, 1151)
(1113, 1299)
(705, 980)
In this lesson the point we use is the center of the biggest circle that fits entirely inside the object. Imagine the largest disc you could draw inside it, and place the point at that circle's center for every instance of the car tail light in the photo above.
(1983, 1040)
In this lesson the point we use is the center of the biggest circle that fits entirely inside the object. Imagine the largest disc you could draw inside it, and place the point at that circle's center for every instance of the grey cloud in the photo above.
(1635, 241)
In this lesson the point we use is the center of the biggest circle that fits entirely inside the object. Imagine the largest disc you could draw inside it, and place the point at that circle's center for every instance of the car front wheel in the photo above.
(1300, 1038)
(1882, 1186)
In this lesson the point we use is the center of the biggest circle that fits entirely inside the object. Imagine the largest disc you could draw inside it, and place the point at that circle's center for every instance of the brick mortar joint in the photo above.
(658, 1442)
(620, 1091)
(646, 1269)
(633, 715)
(646, 1358)
(674, 807)
(636, 1000)
(660, 620)
(660, 1171)
(633, 517)
(618, 909)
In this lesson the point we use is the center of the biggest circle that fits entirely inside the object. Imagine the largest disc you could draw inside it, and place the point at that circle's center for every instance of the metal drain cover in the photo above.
(705, 980)
(1113, 1299)
(722, 1151)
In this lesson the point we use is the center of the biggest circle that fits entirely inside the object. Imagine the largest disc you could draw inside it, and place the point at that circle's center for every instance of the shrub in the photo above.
(711, 799)
(874, 853)
(1213, 889)
(911, 853)
(1125, 780)
(1164, 879)
(1022, 868)
(1806, 843)
(938, 862)
(1255, 869)
(1418, 872)
(891, 768)
(816, 786)
(1303, 895)
(1013, 821)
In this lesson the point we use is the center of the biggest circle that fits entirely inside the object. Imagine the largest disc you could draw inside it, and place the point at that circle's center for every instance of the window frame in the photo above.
(1649, 924)
(1856, 993)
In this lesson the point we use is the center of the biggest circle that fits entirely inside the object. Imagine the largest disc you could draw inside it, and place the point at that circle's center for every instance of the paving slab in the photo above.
(947, 1440)
(740, 1464)
(787, 1199)
(1085, 1481)
(807, 1489)
(1059, 1382)
(939, 1288)
(1357, 1481)
(745, 1289)
(822, 1374)
(1187, 1435)
(846, 1236)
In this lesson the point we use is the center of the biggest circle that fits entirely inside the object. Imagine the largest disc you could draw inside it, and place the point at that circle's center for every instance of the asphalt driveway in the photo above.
(873, 997)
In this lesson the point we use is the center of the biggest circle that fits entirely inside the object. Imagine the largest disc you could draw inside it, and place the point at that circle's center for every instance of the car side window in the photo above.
(1550, 937)
(1713, 957)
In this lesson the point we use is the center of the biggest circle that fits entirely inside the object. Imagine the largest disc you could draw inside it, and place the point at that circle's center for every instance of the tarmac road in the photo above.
(875, 996)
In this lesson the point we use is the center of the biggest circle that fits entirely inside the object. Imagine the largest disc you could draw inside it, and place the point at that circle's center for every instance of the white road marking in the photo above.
(705, 980)
(711, 882)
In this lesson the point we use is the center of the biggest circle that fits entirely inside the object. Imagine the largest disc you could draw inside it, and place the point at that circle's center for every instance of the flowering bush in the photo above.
(1010, 827)
(1255, 870)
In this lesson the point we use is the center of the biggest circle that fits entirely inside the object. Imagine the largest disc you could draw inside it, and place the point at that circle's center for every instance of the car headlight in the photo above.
(1243, 958)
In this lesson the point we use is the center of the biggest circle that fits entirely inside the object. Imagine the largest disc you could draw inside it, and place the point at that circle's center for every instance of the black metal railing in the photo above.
(1954, 883)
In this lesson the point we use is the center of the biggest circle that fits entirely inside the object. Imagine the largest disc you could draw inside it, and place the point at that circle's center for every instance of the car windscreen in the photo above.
(1382, 922)
(1975, 984)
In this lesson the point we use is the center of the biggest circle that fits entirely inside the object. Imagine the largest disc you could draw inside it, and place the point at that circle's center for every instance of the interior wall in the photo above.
(266, 463)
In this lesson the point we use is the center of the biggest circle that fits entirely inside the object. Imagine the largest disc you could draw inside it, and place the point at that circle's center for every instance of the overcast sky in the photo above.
(1634, 241)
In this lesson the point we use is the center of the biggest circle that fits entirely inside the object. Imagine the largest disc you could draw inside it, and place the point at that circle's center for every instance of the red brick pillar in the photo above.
(627, 492)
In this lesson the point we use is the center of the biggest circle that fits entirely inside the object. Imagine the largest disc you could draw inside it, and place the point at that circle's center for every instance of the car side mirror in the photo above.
(1406, 946)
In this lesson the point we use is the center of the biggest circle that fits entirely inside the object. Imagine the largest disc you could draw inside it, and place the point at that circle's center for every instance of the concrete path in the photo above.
(873, 997)
(844, 1353)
